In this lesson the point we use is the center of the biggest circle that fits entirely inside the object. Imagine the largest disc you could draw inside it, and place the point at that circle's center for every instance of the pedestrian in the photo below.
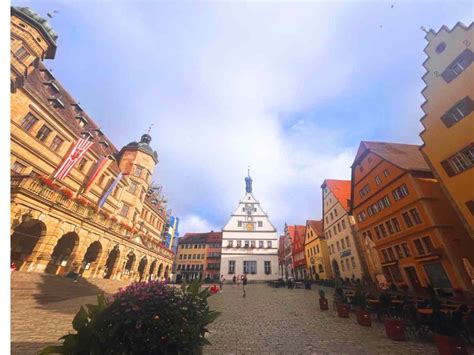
(221, 284)
(244, 283)
(234, 279)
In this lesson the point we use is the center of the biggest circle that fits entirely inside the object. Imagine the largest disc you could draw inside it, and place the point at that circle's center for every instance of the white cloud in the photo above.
(192, 223)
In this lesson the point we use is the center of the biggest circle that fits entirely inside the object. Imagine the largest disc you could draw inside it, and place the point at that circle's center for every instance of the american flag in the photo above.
(75, 155)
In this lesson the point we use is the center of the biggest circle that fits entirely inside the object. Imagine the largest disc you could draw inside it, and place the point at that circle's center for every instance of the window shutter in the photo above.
(448, 75)
(448, 120)
(470, 206)
(466, 105)
(465, 59)
(447, 167)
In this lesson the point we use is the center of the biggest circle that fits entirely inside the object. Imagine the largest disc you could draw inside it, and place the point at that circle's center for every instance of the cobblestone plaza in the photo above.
(267, 321)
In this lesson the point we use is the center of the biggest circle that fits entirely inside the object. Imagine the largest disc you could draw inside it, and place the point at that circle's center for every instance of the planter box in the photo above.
(342, 310)
(395, 329)
(363, 317)
(323, 304)
(450, 345)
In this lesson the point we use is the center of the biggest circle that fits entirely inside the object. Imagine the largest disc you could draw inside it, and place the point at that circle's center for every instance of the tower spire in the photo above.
(248, 182)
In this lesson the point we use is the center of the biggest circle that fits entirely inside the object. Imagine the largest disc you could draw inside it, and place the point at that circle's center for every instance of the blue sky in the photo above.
(289, 88)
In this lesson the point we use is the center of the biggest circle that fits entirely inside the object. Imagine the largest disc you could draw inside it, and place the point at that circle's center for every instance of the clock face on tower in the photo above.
(249, 227)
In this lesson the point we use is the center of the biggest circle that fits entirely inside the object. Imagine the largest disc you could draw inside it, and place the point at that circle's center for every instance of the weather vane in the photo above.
(149, 128)
(50, 14)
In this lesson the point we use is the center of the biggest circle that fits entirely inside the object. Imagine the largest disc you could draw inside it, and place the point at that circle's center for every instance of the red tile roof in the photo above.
(317, 226)
(341, 189)
(208, 237)
(295, 231)
(405, 156)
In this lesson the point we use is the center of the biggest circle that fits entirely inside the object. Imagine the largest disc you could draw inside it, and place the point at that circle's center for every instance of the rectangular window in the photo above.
(406, 249)
(332, 217)
(396, 225)
(250, 267)
(28, 122)
(460, 64)
(407, 219)
(385, 255)
(391, 254)
(327, 220)
(419, 247)
(252, 244)
(239, 224)
(343, 244)
(389, 227)
(260, 223)
(269, 243)
(230, 243)
(353, 262)
(180, 256)
(386, 173)
(416, 216)
(468, 155)
(338, 246)
(334, 230)
(18, 168)
(342, 265)
(428, 244)
(21, 54)
(260, 244)
(239, 243)
(132, 188)
(198, 256)
(268, 269)
(338, 227)
(124, 210)
(231, 269)
(382, 230)
(399, 251)
(378, 181)
(347, 264)
(194, 256)
(138, 171)
(377, 232)
(82, 164)
(317, 249)
(246, 244)
(335, 212)
(343, 224)
(347, 242)
(56, 143)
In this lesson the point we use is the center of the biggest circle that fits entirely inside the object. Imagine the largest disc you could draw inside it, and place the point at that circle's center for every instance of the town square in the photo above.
(241, 177)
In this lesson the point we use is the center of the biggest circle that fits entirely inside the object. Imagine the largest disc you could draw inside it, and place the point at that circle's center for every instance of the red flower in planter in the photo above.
(82, 201)
(66, 192)
(44, 180)
(113, 219)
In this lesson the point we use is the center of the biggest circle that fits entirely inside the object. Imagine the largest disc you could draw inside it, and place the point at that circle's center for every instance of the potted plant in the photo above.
(447, 335)
(360, 302)
(394, 327)
(323, 302)
(341, 304)
(144, 318)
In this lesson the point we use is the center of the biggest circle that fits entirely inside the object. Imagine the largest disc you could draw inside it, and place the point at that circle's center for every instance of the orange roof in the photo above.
(341, 189)
(296, 231)
(317, 226)
(405, 156)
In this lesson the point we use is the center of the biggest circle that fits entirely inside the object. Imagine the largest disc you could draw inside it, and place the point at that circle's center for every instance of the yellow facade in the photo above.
(316, 252)
(56, 227)
(448, 133)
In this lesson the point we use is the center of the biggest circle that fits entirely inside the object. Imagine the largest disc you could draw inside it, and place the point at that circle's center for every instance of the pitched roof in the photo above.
(297, 232)
(405, 156)
(317, 226)
(341, 189)
(208, 237)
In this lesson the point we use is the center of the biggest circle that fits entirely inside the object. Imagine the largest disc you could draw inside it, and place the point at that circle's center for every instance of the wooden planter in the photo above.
(450, 345)
(395, 329)
(342, 310)
(363, 317)
(323, 304)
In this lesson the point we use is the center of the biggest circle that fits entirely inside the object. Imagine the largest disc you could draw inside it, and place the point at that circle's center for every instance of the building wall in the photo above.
(440, 97)
(317, 256)
(191, 259)
(398, 251)
(340, 240)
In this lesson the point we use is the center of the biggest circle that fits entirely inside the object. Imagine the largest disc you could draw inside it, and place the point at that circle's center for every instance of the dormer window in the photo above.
(81, 120)
(47, 76)
(56, 102)
(77, 108)
(104, 144)
(99, 132)
(87, 135)
(53, 88)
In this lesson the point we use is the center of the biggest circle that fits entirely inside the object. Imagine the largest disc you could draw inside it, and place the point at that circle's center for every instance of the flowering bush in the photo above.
(113, 219)
(144, 318)
(66, 192)
(46, 181)
(81, 201)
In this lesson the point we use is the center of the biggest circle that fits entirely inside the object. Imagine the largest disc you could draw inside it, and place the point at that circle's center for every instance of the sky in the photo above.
(287, 88)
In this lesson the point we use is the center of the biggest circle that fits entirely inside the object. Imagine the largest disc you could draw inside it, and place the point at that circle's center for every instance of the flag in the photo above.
(75, 155)
(98, 168)
(110, 189)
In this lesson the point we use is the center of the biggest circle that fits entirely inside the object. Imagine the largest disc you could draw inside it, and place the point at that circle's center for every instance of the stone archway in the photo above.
(152, 270)
(24, 239)
(62, 253)
(160, 270)
(91, 257)
(167, 269)
(335, 267)
(127, 271)
(142, 267)
(111, 263)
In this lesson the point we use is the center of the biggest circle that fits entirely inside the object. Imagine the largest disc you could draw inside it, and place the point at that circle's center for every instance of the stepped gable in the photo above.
(317, 226)
(341, 189)
(405, 156)
(36, 84)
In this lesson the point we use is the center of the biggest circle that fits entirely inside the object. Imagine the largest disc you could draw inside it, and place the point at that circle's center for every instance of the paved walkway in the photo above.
(282, 321)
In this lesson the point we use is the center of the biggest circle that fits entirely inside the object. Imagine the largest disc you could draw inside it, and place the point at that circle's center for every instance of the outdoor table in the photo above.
(428, 311)
(396, 301)
(373, 301)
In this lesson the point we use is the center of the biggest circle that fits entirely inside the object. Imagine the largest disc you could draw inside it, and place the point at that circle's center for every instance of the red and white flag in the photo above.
(75, 155)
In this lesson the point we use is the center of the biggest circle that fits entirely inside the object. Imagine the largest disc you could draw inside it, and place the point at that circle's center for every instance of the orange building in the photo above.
(410, 232)
(448, 122)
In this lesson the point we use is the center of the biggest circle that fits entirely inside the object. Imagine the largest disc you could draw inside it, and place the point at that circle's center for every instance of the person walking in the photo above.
(221, 284)
(244, 283)
(238, 279)
(234, 279)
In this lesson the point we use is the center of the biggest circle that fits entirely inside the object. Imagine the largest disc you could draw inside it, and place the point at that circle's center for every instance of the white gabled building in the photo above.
(249, 241)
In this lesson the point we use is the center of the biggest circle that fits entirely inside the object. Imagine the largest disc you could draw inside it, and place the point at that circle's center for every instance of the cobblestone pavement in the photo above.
(282, 321)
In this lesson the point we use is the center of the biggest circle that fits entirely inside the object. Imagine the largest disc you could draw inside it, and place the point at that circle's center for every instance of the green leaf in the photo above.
(80, 320)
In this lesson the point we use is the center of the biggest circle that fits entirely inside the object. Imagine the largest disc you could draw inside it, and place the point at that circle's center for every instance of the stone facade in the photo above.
(56, 225)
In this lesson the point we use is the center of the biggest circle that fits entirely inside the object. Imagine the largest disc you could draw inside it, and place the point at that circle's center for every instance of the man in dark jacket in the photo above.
(244, 283)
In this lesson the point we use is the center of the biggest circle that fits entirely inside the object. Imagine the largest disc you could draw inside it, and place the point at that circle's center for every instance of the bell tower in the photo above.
(32, 40)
